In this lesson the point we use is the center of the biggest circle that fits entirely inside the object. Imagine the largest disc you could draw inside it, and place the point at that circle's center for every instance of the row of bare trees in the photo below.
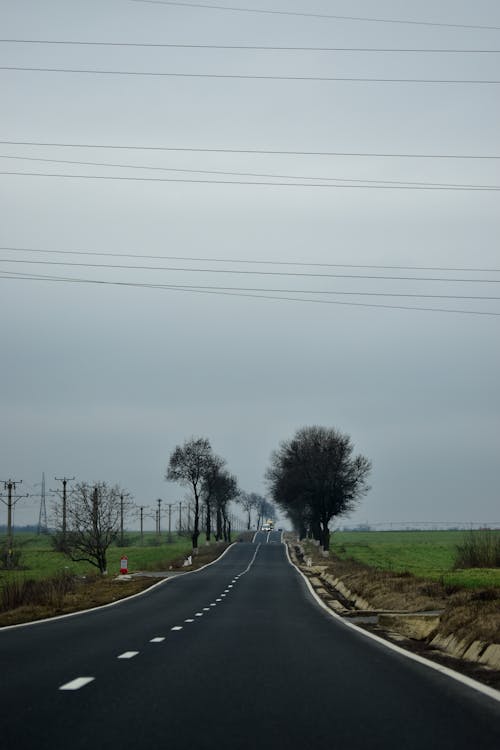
(194, 465)
(93, 517)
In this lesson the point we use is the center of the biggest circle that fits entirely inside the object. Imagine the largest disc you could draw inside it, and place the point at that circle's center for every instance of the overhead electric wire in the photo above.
(462, 186)
(200, 290)
(252, 47)
(343, 186)
(273, 152)
(253, 261)
(250, 77)
(244, 272)
(307, 14)
(326, 292)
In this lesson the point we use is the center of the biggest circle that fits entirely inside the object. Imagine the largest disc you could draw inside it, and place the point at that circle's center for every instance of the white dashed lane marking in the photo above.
(176, 627)
(190, 620)
(206, 609)
(77, 683)
(127, 655)
(199, 614)
(158, 639)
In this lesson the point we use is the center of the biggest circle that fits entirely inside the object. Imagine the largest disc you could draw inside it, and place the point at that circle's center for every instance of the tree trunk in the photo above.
(218, 533)
(325, 542)
(208, 520)
(196, 525)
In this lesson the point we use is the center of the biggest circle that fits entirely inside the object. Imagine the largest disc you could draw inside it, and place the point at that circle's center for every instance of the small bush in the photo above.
(480, 549)
(20, 592)
(10, 559)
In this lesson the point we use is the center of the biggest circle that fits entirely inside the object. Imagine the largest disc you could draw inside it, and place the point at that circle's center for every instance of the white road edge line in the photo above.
(127, 655)
(77, 683)
(118, 601)
(490, 692)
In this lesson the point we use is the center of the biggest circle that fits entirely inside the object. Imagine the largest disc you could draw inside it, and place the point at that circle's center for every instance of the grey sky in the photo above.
(102, 382)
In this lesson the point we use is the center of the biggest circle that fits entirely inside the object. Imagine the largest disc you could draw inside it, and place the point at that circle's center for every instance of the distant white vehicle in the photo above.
(266, 527)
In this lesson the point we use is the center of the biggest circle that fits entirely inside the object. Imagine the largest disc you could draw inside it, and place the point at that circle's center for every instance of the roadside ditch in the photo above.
(458, 628)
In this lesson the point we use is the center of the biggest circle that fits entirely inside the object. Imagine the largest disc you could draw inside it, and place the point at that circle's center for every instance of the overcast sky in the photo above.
(102, 381)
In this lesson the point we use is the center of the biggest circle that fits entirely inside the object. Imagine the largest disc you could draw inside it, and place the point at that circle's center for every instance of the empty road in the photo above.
(238, 655)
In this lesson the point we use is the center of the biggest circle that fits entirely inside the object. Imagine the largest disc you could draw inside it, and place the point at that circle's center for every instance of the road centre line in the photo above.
(127, 655)
(118, 601)
(251, 561)
(189, 620)
(198, 614)
(158, 639)
(77, 683)
(176, 627)
(206, 609)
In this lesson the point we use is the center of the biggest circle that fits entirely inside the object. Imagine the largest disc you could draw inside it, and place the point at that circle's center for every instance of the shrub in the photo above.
(20, 592)
(479, 549)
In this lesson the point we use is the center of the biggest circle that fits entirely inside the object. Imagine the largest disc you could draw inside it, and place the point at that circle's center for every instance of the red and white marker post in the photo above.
(124, 564)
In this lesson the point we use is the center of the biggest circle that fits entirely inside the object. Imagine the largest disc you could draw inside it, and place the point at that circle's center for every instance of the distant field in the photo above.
(428, 554)
(39, 560)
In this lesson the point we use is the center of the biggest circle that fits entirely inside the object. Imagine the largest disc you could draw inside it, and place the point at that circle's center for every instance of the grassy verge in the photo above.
(426, 554)
(50, 584)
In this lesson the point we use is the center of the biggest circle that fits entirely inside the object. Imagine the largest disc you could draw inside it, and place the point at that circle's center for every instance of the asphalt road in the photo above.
(246, 659)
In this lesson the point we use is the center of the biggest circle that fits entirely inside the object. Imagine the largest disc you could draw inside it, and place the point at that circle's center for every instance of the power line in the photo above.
(249, 261)
(252, 47)
(260, 296)
(305, 14)
(294, 274)
(195, 287)
(273, 152)
(343, 186)
(251, 174)
(248, 77)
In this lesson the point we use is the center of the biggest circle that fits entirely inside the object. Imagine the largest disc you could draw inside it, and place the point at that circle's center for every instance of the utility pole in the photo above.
(123, 497)
(64, 481)
(10, 485)
(170, 522)
(141, 508)
(158, 529)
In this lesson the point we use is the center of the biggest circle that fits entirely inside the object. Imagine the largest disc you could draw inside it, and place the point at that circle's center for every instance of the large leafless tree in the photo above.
(93, 522)
(314, 478)
(188, 466)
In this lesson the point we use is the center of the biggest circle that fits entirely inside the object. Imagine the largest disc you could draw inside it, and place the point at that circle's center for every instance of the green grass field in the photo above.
(427, 554)
(39, 560)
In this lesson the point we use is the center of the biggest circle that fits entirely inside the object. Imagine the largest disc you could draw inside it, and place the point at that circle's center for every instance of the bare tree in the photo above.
(188, 466)
(93, 522)
(248, 503)
(225, 490)
(314, 478)
(211, 477)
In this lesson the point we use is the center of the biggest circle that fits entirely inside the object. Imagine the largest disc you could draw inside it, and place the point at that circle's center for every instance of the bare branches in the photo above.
(314, 478)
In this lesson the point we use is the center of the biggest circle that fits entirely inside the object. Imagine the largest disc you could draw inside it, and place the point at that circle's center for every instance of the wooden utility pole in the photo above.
(64, 481)
(12, 499)
(158, 527)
